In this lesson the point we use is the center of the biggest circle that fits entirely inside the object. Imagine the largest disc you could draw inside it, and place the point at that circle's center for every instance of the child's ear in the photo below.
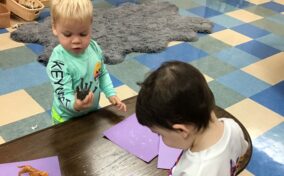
(53, 29)
(184, 130)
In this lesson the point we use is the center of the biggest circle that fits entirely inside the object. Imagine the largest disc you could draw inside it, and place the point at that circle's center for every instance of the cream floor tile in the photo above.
(246, 173)
(174, 43)
(208, 78)
(1, 140)
(7, 42)
(123, 92)
(270, 70)
(257, 2)
(255, 117)
(231, 37)
(244, 15)
(17, 106)
(103, 101)
(279, 1)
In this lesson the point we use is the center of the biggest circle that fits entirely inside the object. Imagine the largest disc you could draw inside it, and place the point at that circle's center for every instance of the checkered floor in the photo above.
(242, 60)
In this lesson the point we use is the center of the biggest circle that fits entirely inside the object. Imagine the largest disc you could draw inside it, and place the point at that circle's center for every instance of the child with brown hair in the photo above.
(176, 102)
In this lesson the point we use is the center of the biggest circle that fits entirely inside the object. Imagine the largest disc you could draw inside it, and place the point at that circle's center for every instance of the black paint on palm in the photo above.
(83, 91)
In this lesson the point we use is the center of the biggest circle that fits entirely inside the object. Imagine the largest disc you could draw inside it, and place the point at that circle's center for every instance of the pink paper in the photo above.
(134, 138)
(50, 165)
(167, 156)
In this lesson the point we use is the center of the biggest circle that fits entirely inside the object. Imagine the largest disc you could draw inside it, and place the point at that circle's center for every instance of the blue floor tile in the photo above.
(258, 49)
(184, 12)
(119, 2)
(22, 77)
(226, 21)
(275, 41)
(42, 94)
(243, 83)
(182, 52)
(276, 135)
(36, 48)
(217, 28)
(251, 31)
(102, 4)
(268, 153)
(279, 18)
(116, 82)
(3, 31)
(262, 164)
(130, 71)
(203, 2)
(204, 12)
(219, 90)
(236, 57)
(272, 98)
(238, 3)
(16, 57)
(213, 67)
(274, 6)
(26, 126)
(220, 6)
(43, 14)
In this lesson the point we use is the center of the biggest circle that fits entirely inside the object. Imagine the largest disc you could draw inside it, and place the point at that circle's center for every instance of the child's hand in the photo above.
(116, 101)
(84, 104)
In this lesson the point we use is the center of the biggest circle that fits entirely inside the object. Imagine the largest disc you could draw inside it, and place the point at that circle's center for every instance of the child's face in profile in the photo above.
(176, 138)
(72, 35)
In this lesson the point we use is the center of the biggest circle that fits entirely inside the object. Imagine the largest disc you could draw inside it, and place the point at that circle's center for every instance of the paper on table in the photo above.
(167, 156)
(49, 164)
(134, 138)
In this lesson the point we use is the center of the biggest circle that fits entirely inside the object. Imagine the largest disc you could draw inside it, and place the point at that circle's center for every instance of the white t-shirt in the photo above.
(218, 160)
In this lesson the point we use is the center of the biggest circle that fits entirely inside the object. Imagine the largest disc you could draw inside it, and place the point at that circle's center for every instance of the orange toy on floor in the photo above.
(31, 171)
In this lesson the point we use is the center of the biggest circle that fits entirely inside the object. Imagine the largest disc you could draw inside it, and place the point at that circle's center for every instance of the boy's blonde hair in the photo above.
(78, 10)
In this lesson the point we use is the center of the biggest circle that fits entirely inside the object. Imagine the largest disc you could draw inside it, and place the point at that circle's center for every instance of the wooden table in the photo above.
(81, 147)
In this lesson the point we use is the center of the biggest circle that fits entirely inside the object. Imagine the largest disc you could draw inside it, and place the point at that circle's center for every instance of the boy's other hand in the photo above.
(116, 101)
(86, 103)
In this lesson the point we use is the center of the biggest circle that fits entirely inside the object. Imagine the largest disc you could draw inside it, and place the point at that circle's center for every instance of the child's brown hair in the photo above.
(175, 93)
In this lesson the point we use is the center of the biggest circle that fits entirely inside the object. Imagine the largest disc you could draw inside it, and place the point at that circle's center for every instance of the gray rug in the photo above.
(144, 28)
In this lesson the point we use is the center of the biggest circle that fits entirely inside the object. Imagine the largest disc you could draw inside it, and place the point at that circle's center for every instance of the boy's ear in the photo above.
(184, 130)
(53, 29)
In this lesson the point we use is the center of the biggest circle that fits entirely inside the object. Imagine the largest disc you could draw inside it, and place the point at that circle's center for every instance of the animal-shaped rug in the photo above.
(144, 28)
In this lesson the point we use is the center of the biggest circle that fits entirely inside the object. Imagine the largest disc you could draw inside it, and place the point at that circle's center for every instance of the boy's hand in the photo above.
(116, 101)
(83, 91)
(85, 103)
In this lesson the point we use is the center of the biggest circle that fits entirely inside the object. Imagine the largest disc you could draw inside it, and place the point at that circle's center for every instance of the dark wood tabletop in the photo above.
(81, 147)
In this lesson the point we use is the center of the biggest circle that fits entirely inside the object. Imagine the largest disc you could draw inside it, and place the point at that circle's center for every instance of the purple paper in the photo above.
(50, 165)
(135, 138)
(167, 156)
